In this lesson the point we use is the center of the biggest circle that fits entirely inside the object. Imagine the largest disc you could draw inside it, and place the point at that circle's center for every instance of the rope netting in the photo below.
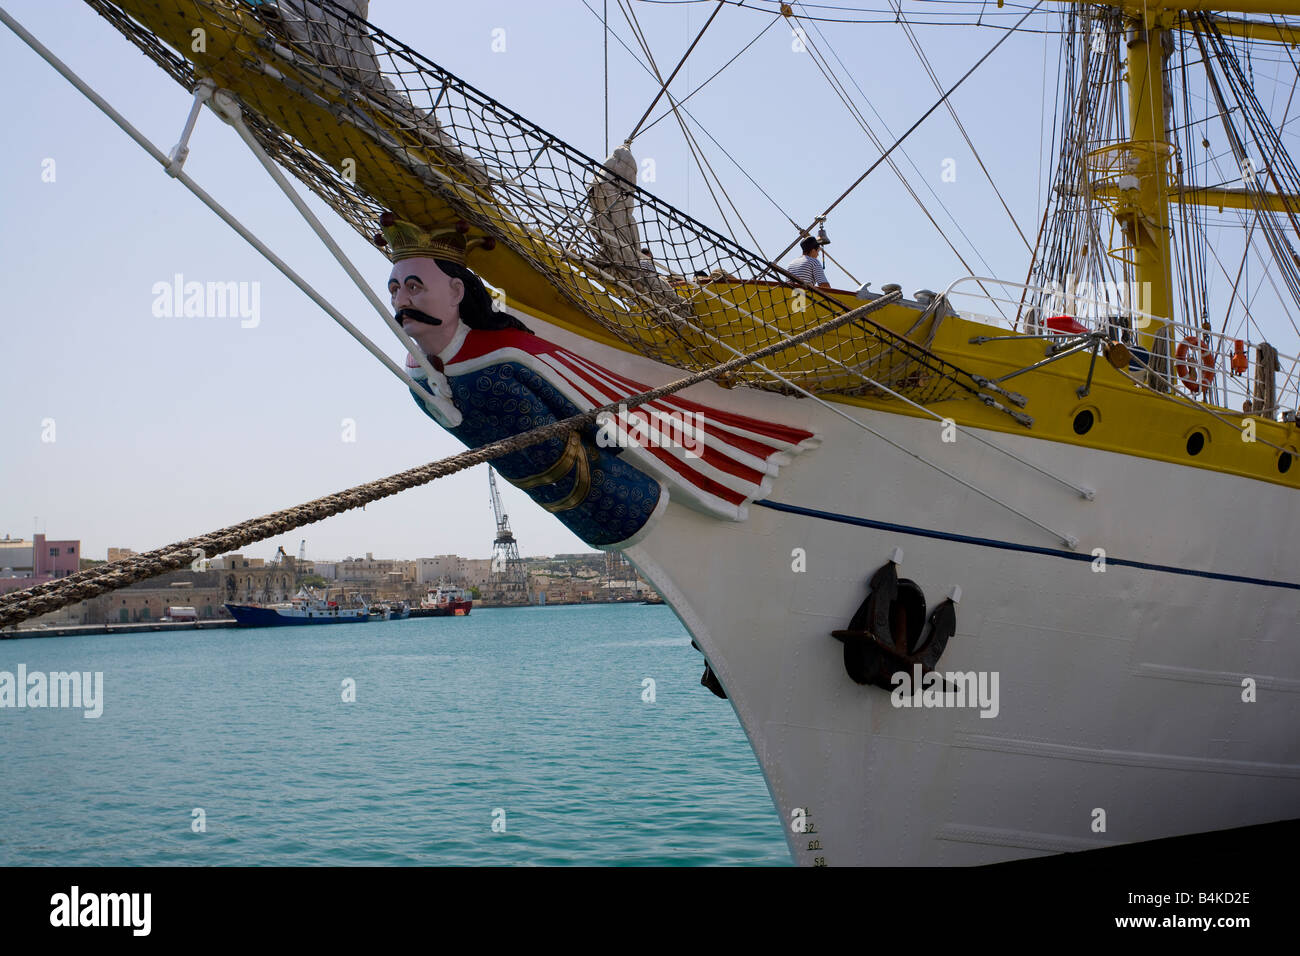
(368, 124)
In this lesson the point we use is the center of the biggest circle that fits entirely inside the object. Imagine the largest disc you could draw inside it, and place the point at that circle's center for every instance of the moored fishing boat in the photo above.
(444, 601)
(302, 609)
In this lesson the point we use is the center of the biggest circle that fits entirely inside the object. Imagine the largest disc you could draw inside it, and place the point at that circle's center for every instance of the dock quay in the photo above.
(72, 630)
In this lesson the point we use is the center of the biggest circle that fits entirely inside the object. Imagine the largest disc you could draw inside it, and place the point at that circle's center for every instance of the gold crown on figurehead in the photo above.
(400, 239)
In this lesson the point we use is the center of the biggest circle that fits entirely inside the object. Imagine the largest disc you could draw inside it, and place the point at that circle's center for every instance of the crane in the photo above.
(509, 576)
(270, 592)
(498, 512)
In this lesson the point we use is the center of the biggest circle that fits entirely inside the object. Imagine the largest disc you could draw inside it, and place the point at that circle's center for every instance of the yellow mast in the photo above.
(1141, 187)
(1143, 211)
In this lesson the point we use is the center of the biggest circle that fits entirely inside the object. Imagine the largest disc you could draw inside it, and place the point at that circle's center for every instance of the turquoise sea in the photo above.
(529, 718)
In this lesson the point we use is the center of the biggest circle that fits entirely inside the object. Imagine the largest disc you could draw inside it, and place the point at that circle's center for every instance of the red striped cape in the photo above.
(717, 461)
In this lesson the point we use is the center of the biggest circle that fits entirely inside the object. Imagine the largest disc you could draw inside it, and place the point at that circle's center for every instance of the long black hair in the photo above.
(476, 307)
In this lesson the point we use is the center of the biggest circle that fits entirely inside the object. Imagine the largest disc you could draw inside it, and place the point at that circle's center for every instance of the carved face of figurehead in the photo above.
(422, 292)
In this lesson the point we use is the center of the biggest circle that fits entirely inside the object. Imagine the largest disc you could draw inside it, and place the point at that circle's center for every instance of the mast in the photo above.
(1143, 212)
(1140, 194)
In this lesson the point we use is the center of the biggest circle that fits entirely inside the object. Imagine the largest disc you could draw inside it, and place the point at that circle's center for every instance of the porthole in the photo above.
(1195, 442)
(1083, 422)
(1284, 462)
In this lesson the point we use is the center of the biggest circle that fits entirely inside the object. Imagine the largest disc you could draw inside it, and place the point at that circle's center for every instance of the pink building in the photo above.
(37, 561)
(57, 559)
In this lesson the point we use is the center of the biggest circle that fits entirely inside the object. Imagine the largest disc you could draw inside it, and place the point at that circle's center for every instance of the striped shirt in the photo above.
(808, 270)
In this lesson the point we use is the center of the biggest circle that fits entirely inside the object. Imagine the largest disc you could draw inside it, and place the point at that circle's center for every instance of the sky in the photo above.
(124, 428)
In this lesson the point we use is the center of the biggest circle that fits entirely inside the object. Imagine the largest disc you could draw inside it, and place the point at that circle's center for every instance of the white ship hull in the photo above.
(1120, 691)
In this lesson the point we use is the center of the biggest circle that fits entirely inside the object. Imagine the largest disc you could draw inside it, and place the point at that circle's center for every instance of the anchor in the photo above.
(708, 678)
(890, 631)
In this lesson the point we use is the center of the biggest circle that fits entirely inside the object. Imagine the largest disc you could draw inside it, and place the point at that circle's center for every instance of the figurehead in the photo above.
(433, 292)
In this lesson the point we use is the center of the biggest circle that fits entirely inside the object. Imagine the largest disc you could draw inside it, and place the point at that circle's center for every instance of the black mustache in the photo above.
(417, 316)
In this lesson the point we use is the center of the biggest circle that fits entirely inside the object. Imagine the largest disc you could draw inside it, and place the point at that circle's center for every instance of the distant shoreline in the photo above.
(137, 627)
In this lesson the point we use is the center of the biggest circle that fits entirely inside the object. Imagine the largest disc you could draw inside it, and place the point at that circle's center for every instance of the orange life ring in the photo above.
(1194, 377)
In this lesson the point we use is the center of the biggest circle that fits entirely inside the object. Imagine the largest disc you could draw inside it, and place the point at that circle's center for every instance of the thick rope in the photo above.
(44, 598)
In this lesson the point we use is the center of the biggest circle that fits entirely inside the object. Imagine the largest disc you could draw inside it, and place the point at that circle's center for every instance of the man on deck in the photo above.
(806, 268)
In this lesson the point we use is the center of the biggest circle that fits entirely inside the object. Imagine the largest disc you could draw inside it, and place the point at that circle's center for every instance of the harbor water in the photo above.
(521, 736)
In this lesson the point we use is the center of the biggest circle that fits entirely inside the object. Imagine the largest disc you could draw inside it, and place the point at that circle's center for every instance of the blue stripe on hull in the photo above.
(246, 616)
(1013, 546)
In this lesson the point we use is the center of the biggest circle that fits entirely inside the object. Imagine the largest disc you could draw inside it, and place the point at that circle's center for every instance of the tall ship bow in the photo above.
(995, 572)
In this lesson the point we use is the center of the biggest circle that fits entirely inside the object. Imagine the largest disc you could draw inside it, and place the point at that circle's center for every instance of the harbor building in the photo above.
(25, 564)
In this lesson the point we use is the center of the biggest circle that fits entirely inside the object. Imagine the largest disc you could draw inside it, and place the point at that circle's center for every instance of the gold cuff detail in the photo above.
(574, 455)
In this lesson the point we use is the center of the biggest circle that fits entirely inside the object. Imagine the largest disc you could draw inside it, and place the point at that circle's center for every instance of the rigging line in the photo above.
(604, 22)
(639, 62)
(837, 87)
(1178, 399)
(753, 5)
(1042, 129)
(1291, 96)
(704, 129)
(803, 341)
(42, 598)
(704, 160)
(1103, 65)
(1010, 9)
(1069, 540)
(758, 36)
(713, 139)
(927, 360)
(1287, 49)
(645, 48)
(1256, 120)
(699, 289)
(1148, 97)
(722, 188)
(1065, 81)
(1202, 262)
(1245, 255)
(680, 63)
(934, 78)
(1193, 277)
(184, 179)
(466, 189)
(697, 154)
(924, 116)
(1085, 68)
(1282, 300)
(1276, 240)
(1219, 155)
(1281, 126)
(640, 37)
(1083, 491)
(839, 90)
(1259, 285)
(1272, 103)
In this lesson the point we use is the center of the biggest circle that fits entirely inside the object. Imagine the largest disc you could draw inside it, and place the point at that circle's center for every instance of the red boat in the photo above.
(444, 601)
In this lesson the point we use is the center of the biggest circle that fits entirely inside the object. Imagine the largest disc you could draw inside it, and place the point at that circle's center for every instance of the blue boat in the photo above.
(302, 609)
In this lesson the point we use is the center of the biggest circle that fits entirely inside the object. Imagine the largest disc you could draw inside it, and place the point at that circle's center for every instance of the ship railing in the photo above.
(1234, 374)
